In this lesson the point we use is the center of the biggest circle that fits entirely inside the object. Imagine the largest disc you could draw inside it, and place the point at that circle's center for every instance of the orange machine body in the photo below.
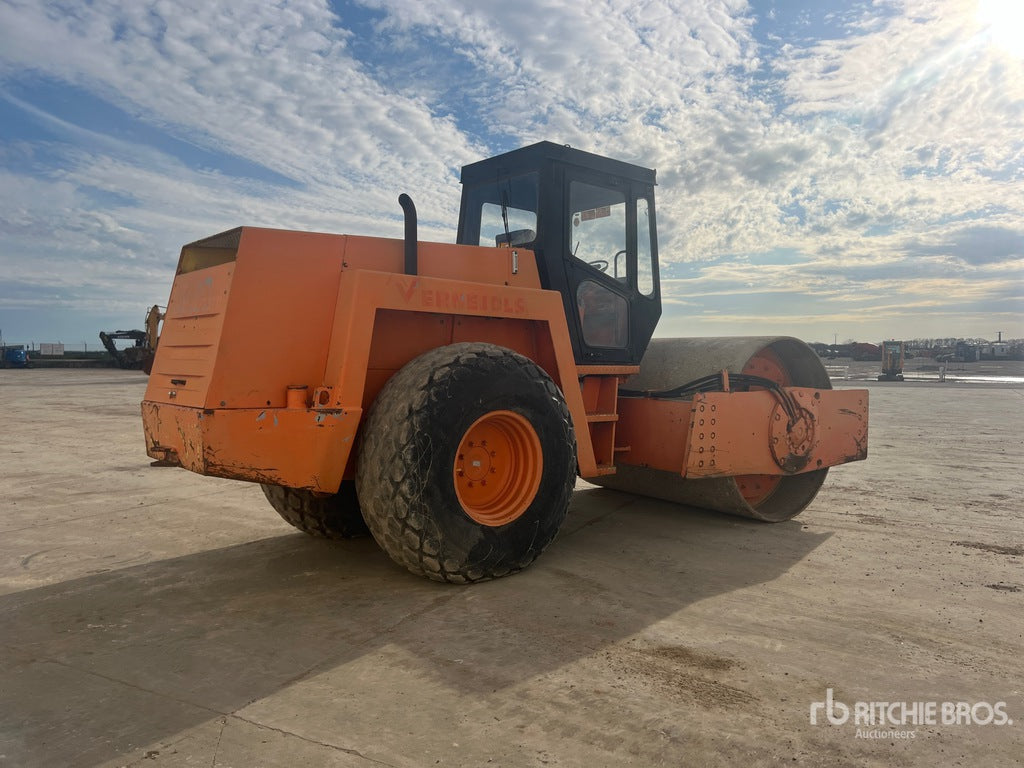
(275, 343)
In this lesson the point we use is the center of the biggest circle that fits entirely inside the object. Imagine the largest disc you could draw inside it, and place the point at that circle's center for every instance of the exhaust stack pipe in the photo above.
(410, 233)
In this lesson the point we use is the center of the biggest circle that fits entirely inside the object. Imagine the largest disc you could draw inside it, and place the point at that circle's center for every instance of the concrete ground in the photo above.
(154, 617)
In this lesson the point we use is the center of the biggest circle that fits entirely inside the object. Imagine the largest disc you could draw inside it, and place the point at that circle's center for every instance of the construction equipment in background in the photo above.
(447, 396)
(892, 361)
(861, 351)
(14, 356)
(140, 355)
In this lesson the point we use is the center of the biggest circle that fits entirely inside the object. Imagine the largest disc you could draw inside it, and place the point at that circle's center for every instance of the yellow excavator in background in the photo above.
(892, 361)
(140, 355)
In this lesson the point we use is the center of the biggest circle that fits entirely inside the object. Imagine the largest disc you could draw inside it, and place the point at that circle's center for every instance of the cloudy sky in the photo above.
(850, 168)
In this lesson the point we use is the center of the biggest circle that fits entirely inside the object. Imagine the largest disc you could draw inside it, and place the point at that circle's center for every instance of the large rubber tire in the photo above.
(410, 469)
(327, 517)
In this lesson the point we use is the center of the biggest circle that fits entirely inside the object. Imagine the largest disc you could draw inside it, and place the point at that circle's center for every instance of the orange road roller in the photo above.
(445, 398)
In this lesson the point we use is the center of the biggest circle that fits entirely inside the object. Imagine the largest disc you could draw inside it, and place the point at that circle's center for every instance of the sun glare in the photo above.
(1003, 22)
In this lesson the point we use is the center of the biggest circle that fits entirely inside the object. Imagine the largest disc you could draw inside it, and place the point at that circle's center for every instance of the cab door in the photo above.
(610, 266)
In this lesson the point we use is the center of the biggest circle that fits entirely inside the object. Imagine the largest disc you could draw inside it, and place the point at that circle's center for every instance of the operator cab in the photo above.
(590, 221)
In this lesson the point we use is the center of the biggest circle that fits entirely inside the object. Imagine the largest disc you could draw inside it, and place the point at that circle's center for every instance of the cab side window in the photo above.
(604, 315)
(597, 236)
(644, 252)
(597, 230)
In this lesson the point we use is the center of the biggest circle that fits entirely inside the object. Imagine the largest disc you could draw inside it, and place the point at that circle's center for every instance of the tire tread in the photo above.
(326, 517)
(389, 448)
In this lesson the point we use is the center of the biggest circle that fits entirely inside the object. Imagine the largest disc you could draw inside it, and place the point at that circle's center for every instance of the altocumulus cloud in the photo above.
(853, 169)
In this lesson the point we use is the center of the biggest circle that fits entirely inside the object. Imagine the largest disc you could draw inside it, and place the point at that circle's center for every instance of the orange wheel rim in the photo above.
(498, 467)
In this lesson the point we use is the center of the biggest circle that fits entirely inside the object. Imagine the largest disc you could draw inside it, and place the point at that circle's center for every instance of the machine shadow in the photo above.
(98, 666)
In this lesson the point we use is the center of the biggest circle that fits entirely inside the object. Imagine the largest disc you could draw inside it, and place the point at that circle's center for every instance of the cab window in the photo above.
(597, 227)
(604, 315)
(644, 253)
(522, 225)
(598, 237)
(503, 213)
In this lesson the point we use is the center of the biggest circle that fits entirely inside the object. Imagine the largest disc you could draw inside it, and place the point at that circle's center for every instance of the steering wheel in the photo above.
(601, 264)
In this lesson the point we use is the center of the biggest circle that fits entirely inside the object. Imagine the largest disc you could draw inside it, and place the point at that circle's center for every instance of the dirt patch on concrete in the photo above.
(996, 548)
(683, 673)
(691, 658)
(1004, 587)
